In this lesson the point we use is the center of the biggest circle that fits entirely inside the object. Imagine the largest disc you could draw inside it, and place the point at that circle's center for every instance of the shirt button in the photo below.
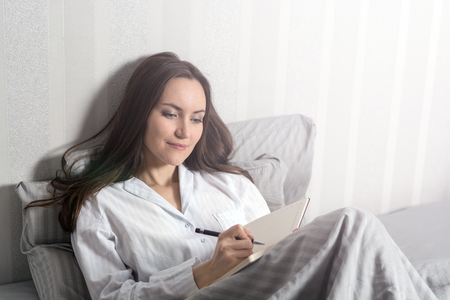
(203, 240)
(187, 225)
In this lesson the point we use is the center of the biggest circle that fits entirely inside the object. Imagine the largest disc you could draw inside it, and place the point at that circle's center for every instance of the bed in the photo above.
(278, 153)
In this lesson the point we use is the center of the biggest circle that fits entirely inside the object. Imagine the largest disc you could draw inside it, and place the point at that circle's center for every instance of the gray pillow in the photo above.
(56, 273)
(289, 138)
(53, 266)
(40, 224)
(269, 174)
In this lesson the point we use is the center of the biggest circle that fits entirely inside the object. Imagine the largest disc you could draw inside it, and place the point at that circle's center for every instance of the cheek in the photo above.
(199, 134)
(157, 131)
(152, 139)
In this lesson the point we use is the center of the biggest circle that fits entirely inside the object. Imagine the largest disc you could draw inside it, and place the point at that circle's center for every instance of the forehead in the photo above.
(184, 92)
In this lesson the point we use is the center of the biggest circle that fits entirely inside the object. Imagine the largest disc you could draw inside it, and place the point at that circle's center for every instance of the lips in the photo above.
(178, 146)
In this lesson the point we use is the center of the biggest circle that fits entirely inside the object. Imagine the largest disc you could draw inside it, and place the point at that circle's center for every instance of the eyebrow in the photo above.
(180, 109)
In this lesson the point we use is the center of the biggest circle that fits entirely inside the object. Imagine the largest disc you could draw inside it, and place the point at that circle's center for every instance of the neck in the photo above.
(162, 176)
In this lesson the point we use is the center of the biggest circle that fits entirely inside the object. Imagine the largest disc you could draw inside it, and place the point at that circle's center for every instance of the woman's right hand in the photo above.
(229, 252)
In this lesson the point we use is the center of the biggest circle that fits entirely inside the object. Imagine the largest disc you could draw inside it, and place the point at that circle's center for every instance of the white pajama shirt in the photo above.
(131, 243)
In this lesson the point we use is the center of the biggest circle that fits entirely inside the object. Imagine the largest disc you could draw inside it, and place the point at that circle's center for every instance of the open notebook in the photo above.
(271, 229)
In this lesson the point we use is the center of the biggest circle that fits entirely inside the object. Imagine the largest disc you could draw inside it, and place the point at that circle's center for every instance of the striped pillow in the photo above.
(53, 266)
(56, 273)
(268, 174)
(289, 138)
(40, 225)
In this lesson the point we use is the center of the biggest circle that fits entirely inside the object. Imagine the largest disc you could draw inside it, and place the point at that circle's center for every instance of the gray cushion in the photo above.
(53, 266)
(269, 174)
(289, 138)
(56, 273)
(40, 224)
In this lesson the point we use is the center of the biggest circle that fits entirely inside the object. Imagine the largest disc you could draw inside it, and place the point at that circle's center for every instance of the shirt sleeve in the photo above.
(108, 278)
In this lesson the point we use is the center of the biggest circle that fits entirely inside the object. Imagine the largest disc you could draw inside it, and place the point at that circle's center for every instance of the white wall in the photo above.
(374, 75)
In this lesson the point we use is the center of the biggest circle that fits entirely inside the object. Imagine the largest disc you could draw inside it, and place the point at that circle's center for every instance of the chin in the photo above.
(176, 162)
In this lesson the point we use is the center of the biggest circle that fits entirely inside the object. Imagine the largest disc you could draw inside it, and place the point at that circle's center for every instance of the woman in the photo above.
(161, 169)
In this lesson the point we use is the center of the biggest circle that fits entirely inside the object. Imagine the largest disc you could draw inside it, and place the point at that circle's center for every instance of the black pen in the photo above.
(215, 233)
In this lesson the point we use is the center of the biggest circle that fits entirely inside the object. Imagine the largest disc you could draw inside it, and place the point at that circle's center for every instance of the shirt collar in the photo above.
(138, 188)
(186, 178)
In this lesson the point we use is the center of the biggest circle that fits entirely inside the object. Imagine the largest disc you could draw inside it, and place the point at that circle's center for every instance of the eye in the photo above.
(169, 115)
(197, 121)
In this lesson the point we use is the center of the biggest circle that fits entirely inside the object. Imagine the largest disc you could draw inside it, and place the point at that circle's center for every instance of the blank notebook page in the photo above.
(272, 228)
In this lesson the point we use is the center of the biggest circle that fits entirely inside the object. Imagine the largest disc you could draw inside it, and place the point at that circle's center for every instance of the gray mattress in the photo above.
(24, 290)
(422, 232)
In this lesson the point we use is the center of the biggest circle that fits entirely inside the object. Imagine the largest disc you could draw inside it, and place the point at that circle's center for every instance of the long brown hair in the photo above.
(118, 153)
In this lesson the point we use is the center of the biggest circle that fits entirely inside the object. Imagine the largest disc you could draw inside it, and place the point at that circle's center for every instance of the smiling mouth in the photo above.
(178, 146)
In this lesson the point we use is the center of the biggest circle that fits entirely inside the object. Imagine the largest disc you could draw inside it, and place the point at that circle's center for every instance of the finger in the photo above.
(242, 244)
(243, 253)
(242, 233)
(235, 231)
(249, 233)
(235, 238)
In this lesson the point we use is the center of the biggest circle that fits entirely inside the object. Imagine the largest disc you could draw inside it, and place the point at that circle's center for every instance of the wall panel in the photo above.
(5, 220)
(416, 59)
(56, 82)
(317, 186)
(342, 70)
(376, 104)
(176, 37)
(395, 110)
(79, 69)
(243, 77)
(102, 61)
(27, 94)
(305, 46)
(221, 18)
(263, 64)
(424, 124)
(436, 169)
(130, 41)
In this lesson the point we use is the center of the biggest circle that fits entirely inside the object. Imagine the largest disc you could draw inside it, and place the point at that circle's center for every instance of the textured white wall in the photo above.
(374, 75)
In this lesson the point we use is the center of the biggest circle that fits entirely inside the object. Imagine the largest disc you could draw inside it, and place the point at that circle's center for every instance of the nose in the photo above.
(183, 130)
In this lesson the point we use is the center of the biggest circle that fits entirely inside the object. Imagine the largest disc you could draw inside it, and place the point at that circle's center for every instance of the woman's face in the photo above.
(175, 124)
